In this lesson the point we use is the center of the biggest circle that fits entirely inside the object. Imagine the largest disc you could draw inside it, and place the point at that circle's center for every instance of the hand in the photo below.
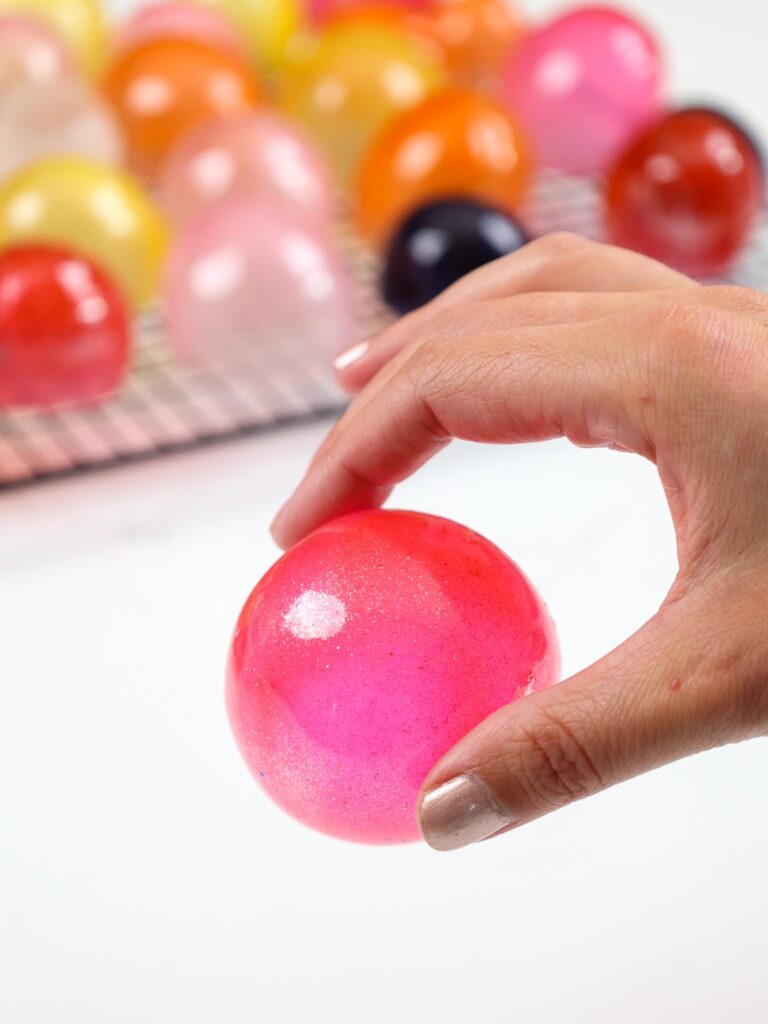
(571, 338)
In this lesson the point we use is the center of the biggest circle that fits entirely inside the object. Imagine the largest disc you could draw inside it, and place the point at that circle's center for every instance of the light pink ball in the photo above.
(319, 12)
(583, 86)
(260, 155)
(179, 21)
(29, 52)
(245, 280)
(366, 653)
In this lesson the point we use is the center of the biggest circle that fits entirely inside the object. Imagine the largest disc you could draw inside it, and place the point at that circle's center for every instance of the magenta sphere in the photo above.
(244, 279)
(176, 20)
(366, 653)
(583, 86)
(29, 52)
(261, 155)
(319, 12)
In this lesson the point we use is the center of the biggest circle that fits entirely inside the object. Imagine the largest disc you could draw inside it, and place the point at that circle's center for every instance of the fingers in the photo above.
(668, 692)
(582, 379)
(554, 263)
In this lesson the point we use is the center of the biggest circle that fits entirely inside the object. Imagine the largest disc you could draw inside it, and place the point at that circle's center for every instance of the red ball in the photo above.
(64, 329)
(686, 192)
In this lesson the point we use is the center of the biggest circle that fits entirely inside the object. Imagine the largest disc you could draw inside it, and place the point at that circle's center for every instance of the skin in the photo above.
(572, 338)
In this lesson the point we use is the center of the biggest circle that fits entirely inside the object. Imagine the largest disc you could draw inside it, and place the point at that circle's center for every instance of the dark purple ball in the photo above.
(440, 243)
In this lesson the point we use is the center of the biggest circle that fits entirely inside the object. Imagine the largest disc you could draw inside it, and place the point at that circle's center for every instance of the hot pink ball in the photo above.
(261, 155)
(179, 21)
(321, 11)
(29, 52)
(245, 279)
(583, 86)
(366, 653)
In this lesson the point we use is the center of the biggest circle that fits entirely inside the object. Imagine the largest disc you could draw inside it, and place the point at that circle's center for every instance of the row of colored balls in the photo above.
(253, 198)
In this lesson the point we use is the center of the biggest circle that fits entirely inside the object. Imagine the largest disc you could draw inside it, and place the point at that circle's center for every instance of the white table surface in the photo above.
(145, 878)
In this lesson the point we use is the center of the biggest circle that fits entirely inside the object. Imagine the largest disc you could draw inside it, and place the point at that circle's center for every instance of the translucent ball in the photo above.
(30, 52)
(266, 26)
(366, 653)
(177, 20)
(39, 119)
(246, 279)
(583, 85)
(79, 23)
(261, 155)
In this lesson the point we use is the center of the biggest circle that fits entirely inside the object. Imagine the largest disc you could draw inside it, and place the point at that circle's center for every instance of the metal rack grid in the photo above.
(167, 406)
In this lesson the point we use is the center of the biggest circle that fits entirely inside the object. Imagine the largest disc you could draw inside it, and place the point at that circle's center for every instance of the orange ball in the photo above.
(475, 35)
(457, 143)
(163, 88)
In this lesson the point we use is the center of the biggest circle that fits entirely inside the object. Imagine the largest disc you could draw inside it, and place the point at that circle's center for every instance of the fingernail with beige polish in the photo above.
(351, 355)
(460, 812)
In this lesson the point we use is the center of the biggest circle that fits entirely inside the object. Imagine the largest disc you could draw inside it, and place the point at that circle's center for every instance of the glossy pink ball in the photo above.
(176, 20)
(366, 653)
(261, 154)
(245, 279)
(583, 86)
(29, 52)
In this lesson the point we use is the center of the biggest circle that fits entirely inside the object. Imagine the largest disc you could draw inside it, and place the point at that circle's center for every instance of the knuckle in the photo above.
(556, 765)
(560, 243)
(716, 344)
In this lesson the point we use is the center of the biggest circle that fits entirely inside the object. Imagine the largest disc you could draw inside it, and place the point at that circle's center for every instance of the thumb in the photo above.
(662, 695)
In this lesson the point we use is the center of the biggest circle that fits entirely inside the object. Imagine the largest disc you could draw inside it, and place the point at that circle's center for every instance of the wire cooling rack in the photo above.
(167, 406)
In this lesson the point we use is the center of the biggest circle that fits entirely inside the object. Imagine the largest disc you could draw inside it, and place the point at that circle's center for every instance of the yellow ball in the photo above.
(266, 25)
(93, 209)
(79, 23)
(356, 79)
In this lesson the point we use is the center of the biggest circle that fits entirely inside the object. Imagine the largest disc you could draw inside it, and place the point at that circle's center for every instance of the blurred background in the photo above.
(144, 876)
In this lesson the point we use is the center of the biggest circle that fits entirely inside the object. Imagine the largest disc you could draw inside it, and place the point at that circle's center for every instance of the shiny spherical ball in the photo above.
(64, 330)
(162, 89)
(175, 19)
(352, 83)
(93, 209)
(247, 281)
(261, 155)
(320, 12)
(458, 142)
(476, 36)
(686, 192)
(40, 119)
(441, 242)
(265, 26)
(366, 653)
(583, 86)
(80, 24)
(31, 52)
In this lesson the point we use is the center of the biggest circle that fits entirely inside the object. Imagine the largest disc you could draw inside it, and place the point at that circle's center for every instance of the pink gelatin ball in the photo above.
(247, 280)
(29, 52)
(261, 154)
(583, 86)
(174, 20)
(366, 653)
(319, 12)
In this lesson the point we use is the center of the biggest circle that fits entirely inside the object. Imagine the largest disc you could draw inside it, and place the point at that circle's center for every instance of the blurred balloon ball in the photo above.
(162, 89)
(441, 242)
(265, 25)
(686, 191)
(477, 36)
(356, 80)
(583, 86)
(39, 119)
(261, 154)
(245, 279)
(64, 330)
(176, 20)
(320, 12)
(30, 52)
(79, 23)
(91, 208)
(455, 143)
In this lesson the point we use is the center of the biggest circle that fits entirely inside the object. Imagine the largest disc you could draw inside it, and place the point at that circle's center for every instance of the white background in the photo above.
(144, 877)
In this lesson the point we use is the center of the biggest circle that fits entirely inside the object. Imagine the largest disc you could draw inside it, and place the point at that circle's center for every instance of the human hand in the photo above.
(571, 338)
